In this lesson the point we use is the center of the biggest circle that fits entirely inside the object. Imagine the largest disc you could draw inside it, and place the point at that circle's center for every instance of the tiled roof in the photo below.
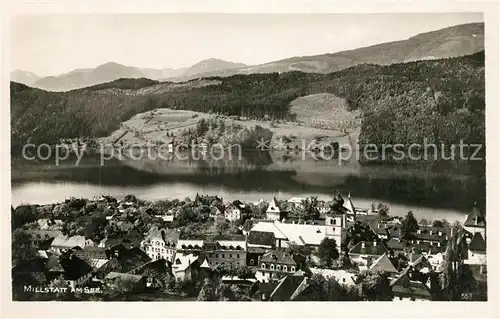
(477, 244)
(62, 241)
(475, 219)
(124, 276)
(256, 250)
(369, 248)
(157, 268)
(75, 268)
(277, 256)
(286, 288)
(395, 244)
(383, 263)
(127, 260)
(261, 238)
(96, 257)
(432, 233)
(402, 286)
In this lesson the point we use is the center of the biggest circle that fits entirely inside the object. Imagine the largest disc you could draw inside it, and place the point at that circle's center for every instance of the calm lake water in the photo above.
(432, 190)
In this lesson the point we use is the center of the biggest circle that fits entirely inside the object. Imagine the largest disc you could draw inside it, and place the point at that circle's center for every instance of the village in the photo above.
(205, 249)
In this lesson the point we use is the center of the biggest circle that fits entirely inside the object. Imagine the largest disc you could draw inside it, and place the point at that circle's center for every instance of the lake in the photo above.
(431, 190)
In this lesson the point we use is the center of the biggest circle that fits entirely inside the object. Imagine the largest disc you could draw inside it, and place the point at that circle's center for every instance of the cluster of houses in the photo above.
(262, 246)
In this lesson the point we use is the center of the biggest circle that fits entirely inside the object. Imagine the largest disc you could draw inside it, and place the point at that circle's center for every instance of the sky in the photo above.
(54, 44)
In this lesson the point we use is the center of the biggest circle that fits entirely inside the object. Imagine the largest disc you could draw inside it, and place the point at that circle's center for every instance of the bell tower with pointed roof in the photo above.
(273, 210)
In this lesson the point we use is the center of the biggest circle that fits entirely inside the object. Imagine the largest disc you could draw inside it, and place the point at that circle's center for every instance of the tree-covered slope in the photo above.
(441, 99)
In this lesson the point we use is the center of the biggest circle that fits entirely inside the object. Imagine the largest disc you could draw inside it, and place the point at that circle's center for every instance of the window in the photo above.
(230, 255)
(272, 267)
(334, 221)
(285, 268)
(343, 279)
(216, 255)
(400, 298)
(263, 266)
(293, 269)
(252, 261)
(278, 267)
(222, 256)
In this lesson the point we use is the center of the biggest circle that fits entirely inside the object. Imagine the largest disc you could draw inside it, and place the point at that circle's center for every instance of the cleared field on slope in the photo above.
(325, 110)
(154, 126)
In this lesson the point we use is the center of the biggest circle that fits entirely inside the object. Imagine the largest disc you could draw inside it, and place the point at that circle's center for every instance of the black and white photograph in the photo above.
(248, 157)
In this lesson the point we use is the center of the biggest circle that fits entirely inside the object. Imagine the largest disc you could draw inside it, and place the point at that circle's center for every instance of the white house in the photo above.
(232, 212)
(275, 265)
(161, 244)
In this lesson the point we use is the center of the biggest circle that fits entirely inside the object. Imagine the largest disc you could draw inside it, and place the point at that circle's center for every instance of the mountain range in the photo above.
(453, 41)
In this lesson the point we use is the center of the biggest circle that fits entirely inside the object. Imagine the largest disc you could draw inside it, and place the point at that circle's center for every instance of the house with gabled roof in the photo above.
(365, 253)
(259, 243)
(77, 272)
(42, 237)
(475, 221)
(188, 266)
(405, 289)
(274, 265)
(476, 254)
(384, 264)
(161, 243)
(63, 243)
(156, 273)
(233, 211)
(273, 210)
(229, 250)
(289, 288)
(96, 257)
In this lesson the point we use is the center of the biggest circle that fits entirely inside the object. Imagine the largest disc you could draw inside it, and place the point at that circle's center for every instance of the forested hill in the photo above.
(441, 99)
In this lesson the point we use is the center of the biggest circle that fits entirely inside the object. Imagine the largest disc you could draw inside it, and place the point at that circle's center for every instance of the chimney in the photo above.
(363, 245)
(374, 243)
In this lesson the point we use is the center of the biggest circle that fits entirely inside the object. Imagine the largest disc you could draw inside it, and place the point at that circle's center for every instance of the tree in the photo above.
(410, 226)
(456, 252)
(383, 210)
(221, 225)
(437, 224)
(424, 222)
(310, 208)
(327, 251)
(374, 286)
(207, 292)
(294, 249)
(245, 272)
(22, 215)
(22, 250)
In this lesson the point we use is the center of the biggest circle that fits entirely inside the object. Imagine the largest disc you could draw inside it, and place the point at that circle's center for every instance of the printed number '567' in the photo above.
(466, 296)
